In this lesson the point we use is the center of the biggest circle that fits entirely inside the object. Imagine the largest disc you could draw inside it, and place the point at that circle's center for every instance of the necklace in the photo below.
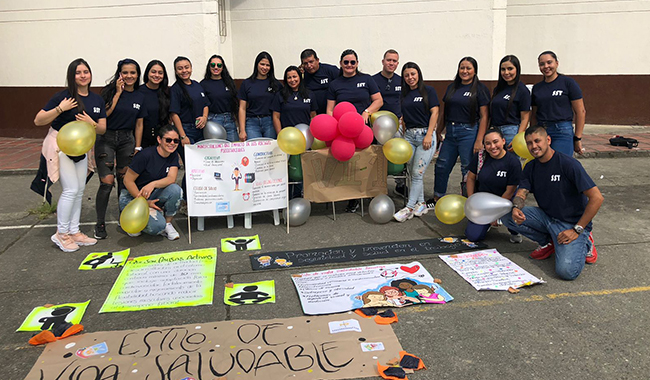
(295, 95)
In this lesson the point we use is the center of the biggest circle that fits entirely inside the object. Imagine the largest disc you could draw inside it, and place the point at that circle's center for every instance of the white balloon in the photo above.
(384, 128)
(381, 209)
(485, 208)
(300, 209)
(309, 138)
(214, 130)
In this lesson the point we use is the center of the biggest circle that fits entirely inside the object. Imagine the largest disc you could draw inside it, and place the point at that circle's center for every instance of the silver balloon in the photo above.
(299, 209)
(381, 209)
(309, 138)
(384, 128)
(485, 208)
(214, 130)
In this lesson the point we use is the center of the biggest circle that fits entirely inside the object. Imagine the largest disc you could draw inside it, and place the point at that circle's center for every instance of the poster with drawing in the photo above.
(391, 285)
(235, 178)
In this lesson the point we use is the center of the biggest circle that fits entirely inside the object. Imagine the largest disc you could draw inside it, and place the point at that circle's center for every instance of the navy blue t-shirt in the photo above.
(496, 175)
(413, 109)
(319, 83)
(558, 186)
(356, 90)
(258, 96)
(553, 100)
(181, 106)
(457, 108)
(294, 111)
(390, 90)
(130, 107)
(151, 166)
(219, 95)
(521, 103)
(153, 107)
(93, 105)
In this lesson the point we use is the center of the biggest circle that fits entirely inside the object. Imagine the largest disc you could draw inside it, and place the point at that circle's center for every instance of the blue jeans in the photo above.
(257, 126)
(459, 140)
(541, 228)
(509, 132)
(418, 164)
(226, 120)
(561, 133)
(476, 232)
(169, 199)
(192, 132)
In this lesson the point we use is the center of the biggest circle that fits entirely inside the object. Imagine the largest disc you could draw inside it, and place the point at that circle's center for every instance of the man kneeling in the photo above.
(568, 200)
(152, 174)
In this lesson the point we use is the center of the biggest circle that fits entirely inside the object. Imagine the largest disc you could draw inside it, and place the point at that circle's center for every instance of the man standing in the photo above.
(568, 200)
(318, 77)
(389, 83)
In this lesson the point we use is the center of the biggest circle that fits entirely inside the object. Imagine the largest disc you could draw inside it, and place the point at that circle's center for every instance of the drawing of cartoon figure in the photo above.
(97, 261)
(283, 262)
(428, 295)
(396, 297)
(57, 318)
(249, 293)
(264, 261)
(236, 176)
(240, 244)
(375, 299)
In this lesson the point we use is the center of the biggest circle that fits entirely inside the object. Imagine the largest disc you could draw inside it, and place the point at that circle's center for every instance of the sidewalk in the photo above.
(21, 156)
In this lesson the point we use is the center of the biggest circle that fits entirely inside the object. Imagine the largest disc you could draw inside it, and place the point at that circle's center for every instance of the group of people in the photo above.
(141, 127)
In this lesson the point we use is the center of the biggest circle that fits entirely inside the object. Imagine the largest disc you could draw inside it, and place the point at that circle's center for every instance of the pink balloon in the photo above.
(351, 124)
(342, 148)
(343, 108)
(364, 139)
(324, 127)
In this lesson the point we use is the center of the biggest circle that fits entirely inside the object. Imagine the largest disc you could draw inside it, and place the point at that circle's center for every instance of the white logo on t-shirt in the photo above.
(269, 89)
(557, 93)
(467, 93)
(136, 106)
(555, 178)
(202, 95)
(362, 84)
(167, 170)
(398, 88)
(417, 99)
(97, 110)
(502, 173)
(506, 97)
(306, 100)
(324, 81)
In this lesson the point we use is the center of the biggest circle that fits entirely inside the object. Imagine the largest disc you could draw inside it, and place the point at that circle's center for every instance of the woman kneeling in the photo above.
(152, 175)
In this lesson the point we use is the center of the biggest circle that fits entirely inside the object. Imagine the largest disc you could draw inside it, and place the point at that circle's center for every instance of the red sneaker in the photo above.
(592, 255)
(543, 252)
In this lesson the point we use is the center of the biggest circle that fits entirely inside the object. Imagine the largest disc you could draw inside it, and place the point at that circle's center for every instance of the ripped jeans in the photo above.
(418, 164)
(169, 199)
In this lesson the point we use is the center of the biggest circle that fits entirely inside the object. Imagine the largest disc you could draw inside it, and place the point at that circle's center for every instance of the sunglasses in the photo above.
(213, 64)
(169, 140)
(352, 62)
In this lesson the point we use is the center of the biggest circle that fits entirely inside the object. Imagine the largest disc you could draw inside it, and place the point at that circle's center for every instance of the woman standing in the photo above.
(255, 97)
(495, 171)
(510, 104)
(294, 104)
(189, 105)
(420, 108)
(152, 175)
(156, 100)
(74, 103)
(465, 118)
(115, 149)
(222, 94)
(555, 100)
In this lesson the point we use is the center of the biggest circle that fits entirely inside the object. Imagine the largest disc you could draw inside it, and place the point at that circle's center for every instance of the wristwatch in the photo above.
(578, 229)
(366, 111)
(183, 138)
(576, 138)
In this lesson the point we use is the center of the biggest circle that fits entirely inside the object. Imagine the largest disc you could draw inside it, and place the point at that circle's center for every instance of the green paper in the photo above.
(103, 260)
(34, 321)
(256, 293)
(164, 281)
(241, 243)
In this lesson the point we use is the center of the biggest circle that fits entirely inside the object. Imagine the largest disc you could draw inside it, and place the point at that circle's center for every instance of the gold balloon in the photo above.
(375, 115)
(523, 164)
(292, 141)
(76, 138)
(519, 145)
(398, 151)
(317, 144)
(450, 209)
(135, 216)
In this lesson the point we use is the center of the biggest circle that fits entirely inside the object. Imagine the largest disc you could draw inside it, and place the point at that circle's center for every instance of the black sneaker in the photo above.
(431, 203)
(100, 231)
(353, 206)
(402, 190)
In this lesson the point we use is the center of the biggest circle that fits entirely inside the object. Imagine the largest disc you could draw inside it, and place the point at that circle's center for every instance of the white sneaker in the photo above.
(403, 214)
(420, 209)
(516, 239)
(170, 232)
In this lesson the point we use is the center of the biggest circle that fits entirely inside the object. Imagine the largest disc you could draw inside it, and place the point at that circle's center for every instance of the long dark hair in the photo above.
(502, 84)
(287, 91)
(108, 91)
(273, 82)
(163, 91)
(186, 95)
(348, 52)
(473, 98)
(71, 84)
(421, 89)
(227, 80)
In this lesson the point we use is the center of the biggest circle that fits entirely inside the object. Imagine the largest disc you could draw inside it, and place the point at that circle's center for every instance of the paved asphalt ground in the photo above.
(593, 328)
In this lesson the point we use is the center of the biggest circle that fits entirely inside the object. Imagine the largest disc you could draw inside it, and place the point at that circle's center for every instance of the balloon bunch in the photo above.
(344, 131)
(384, 126)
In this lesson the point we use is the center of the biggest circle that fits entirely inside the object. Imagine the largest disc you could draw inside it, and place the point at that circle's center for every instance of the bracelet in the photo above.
(138, 148)
(59, 109)
(183, 137)
(576, 138)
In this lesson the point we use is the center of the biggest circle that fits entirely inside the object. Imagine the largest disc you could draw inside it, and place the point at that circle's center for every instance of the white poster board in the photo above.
(235, 178)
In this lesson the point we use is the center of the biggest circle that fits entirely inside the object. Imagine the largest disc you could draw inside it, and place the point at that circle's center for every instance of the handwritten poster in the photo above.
(47, 317)
(235, 178)
(103, 260)
(392, 285)
(292, 348)
(488, 270)
(249, 294)
(164, 281)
